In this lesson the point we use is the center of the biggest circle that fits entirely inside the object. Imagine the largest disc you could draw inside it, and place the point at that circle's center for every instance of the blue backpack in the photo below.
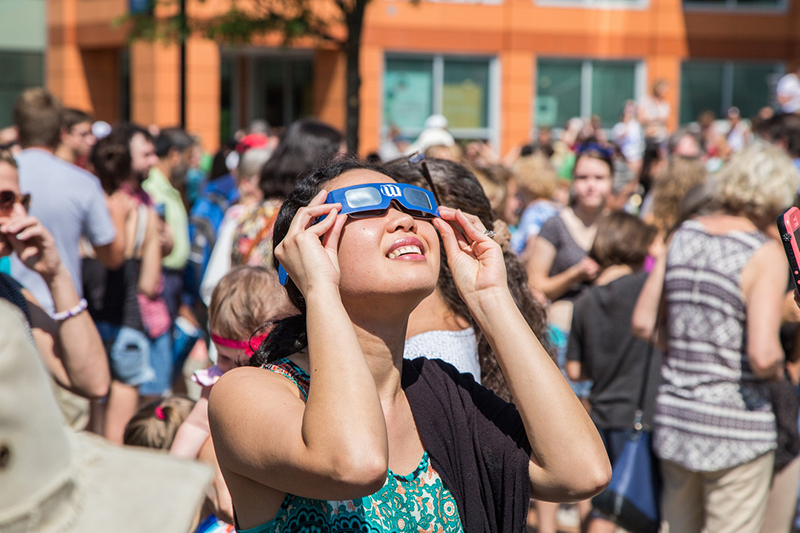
(204, 221)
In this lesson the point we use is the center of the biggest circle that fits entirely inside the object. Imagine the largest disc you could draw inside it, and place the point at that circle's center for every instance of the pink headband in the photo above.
(160, 413)
(240, 345)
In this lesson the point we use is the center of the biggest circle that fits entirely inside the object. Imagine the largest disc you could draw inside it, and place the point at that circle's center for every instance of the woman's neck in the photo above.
(587, 215)
(433, 314)
(612, 273)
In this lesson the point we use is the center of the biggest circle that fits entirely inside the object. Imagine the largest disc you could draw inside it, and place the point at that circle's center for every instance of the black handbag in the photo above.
(632, 499)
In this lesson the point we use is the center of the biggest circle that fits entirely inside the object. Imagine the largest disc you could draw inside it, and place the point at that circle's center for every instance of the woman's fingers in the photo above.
(330, 240)
(326, 223)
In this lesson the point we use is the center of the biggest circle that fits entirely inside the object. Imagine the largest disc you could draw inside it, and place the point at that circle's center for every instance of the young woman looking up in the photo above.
(320, 454)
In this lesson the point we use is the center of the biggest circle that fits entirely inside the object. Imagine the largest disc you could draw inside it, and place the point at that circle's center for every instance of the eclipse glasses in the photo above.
(374, 199)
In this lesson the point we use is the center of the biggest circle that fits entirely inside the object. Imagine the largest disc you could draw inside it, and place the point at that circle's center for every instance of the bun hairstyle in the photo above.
(156, 424)
(458, 188)
(288, 335)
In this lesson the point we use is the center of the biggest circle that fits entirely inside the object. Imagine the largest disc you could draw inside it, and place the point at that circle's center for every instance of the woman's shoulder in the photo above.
(258, 387)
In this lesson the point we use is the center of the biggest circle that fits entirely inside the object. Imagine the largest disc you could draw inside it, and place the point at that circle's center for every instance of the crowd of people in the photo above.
(432, 338)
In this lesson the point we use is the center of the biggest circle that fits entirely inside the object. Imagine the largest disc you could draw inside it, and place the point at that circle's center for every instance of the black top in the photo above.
(568, 253)
(112, 294)
(476, 442)
(11, 290)
(601, 339)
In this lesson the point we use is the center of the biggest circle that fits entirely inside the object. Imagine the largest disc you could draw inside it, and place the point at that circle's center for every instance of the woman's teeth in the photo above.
(403, 250)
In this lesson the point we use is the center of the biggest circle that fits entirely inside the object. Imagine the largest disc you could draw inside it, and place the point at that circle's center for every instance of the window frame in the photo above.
(587, 66)
(733, 6)
(491, 132)
(612, 5)
(726, 90)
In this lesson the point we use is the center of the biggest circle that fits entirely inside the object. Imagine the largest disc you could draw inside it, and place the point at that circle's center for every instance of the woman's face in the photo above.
(392, 254)
(9, 181)
(592, 183)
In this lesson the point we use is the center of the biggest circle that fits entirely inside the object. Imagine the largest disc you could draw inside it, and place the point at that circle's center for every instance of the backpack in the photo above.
(204, 222)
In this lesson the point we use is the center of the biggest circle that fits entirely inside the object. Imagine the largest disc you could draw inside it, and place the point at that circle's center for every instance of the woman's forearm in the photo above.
(343, 388)
(557, 286)
(569, 461)
(645, 313)
(79, 346)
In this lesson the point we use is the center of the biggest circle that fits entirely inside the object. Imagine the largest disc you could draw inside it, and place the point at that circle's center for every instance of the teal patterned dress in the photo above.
(418, 502)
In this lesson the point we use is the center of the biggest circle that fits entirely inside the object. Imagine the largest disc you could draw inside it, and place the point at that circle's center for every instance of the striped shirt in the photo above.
(712, 413)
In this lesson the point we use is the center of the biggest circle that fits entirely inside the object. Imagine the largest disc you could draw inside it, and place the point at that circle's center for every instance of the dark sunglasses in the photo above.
(9, 198)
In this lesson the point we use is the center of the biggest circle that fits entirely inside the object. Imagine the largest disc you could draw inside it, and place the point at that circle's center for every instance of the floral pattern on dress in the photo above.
(417, 502)
(252, 240)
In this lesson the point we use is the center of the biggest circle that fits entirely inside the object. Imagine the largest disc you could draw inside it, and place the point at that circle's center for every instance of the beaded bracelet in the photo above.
(63, 315)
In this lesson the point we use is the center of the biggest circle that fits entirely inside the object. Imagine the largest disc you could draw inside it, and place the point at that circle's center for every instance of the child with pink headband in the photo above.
(242, 305)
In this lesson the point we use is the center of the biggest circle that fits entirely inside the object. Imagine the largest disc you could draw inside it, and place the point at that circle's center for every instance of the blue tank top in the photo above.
(412, 503)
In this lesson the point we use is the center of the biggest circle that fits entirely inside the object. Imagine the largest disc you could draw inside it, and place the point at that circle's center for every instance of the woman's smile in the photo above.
(407, 248)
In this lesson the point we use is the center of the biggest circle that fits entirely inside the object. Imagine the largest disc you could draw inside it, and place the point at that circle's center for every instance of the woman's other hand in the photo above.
(309, 252)
(33, 244)
(475, 259)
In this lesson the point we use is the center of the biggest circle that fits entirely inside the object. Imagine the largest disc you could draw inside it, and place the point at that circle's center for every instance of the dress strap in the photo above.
(292, 372)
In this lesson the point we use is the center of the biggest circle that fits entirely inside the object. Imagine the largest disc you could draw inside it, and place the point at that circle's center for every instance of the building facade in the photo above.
(496, 69)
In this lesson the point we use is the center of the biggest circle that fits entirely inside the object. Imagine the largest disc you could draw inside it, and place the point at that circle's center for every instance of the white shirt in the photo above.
(789, 86)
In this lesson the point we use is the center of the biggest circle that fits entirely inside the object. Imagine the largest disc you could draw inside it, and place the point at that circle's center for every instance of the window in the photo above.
(459, 88)
(281, 88)
(717, 85)
(567, 88)
(737, 5)
(21, 70)
(596, 4)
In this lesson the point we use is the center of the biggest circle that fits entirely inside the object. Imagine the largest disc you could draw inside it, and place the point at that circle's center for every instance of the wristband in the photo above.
(63, 315)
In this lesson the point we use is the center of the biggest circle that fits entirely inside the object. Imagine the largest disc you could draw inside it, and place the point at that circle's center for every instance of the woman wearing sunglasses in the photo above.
(67, 340)
(332, 429)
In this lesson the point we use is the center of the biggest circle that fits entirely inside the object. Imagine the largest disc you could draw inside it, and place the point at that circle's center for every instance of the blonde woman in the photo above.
(723, 281)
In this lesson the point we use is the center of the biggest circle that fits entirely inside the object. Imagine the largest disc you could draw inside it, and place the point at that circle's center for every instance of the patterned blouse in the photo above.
(712, 413)
(412, 503)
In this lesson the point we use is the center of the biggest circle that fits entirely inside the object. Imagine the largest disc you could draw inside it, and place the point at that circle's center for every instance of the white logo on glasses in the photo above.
(392, 191)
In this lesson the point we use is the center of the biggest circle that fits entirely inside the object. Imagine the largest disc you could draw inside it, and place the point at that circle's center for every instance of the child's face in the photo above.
(228, 358)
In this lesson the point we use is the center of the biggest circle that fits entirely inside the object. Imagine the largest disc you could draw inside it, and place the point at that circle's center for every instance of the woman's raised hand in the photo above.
(475, 260)
(309, 252)
(33, 244)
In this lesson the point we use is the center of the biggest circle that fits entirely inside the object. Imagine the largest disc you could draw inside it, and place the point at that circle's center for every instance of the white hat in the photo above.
(437, 122)
(52, 479)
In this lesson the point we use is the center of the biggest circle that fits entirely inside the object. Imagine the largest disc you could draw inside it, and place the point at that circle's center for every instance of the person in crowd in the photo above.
(559, 266)
(723, 282)
(787, 92)
(306, 144)
(250, 196)
(67, 340)
(55, 479)
(688, 142)
(165, 183)
(601, 346)
(784, 131)
(537, 182)
(115, 295)
(627, 134)
(69, 202)
(674, 183)
(739, 133)
(77, 138)
(416, 431)
(655, 110)
(441, 325)
(156, 423)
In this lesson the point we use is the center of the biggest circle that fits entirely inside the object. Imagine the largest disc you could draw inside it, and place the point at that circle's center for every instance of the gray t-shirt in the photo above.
(568, 253)
(70, 203)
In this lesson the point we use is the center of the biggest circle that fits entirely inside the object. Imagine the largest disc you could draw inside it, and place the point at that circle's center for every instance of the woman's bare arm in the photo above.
(150, 270)
(568, 459)
(763, 283)
(71, 348)
(539, 263)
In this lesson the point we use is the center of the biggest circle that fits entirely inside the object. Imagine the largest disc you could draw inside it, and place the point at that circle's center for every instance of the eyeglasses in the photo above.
(9, 198)
(373, 199)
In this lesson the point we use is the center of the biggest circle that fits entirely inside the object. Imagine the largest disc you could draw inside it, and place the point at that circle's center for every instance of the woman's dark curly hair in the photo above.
(458, 188)
(288, 335)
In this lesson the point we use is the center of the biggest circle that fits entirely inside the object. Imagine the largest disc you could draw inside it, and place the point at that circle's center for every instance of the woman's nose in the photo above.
(399, 219)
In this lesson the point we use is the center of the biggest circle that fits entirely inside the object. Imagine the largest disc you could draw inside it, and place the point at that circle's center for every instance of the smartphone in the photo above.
(789, 228)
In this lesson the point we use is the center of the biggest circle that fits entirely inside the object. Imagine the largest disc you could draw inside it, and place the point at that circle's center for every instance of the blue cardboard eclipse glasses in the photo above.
(373, 199)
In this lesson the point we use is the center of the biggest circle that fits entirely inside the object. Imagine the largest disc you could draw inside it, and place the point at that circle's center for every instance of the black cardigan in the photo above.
(476, 442)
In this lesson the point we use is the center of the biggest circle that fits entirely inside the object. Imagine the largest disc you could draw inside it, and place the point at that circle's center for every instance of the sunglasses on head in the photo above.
(9, 198)
(604, 151)
(374, 199)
